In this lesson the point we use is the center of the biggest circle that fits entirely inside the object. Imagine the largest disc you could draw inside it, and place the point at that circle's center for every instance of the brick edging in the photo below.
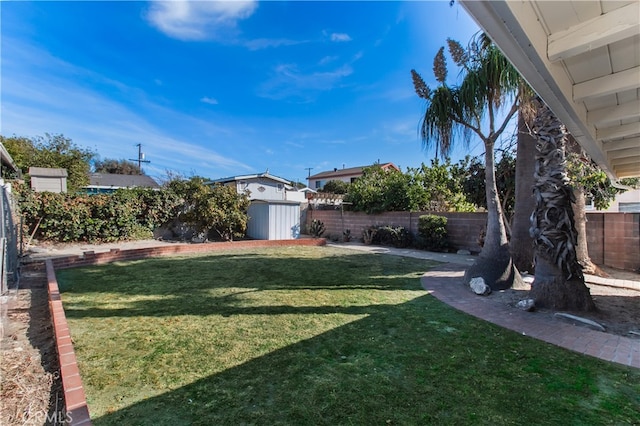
(77, 411)
(74, 395)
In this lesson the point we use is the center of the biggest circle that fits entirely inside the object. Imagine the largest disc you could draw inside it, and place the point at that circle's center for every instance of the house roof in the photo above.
(351, 171)
(264, 175)
(6, 160)
(581, 58)
(47, 172)
(109, 180)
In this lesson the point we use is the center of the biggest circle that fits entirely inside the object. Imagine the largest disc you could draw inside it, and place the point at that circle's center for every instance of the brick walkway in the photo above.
(445, 283)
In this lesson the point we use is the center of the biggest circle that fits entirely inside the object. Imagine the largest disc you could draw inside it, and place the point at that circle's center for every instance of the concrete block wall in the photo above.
(463, 228)
(613, 238)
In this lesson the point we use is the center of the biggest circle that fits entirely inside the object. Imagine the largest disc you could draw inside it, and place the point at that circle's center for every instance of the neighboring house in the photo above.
(105, 183)
(48, 179)
(626, 202)
(263, 186)
(319, 180)
(6, 162)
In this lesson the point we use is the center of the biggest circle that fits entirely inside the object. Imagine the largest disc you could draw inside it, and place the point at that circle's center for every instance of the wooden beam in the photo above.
(607, 85)
(627, 170)
(626, 160)
(618, 132)
(629, 152)
(605, 29)
(611, 115)
(621, 144)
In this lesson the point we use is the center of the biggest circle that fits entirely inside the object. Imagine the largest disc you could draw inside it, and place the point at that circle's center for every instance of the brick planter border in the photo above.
(74, 395)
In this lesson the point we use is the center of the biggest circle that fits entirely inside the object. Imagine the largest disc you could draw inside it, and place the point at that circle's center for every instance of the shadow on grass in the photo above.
(219, 284)
(419, 362)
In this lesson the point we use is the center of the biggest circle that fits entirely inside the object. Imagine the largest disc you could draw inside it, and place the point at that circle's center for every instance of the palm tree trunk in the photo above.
(582, 249)
(521, 245)
(559, 282)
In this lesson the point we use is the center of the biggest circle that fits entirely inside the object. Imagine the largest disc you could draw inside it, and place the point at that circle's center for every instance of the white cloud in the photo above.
(339, 37)
(198, 20)
(264, 43)
(35, 102)
(327, 59)
(289, 82)
(208, 100)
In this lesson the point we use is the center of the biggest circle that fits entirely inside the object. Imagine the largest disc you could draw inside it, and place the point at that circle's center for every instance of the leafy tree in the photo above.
(54, 151)
(119, 167)
(470, 172)
(336, 187)
(379, 190)
(216, 208)
(422, 188)
(437, 188)
(489, 83)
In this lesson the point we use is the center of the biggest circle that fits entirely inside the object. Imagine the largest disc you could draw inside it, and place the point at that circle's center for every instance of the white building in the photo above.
(263, 186)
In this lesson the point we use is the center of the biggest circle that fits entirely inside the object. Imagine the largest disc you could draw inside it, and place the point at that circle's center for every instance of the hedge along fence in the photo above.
(125, 214)
(613, 238)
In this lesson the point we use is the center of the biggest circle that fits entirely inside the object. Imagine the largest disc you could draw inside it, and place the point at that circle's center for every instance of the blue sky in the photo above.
(219, 89)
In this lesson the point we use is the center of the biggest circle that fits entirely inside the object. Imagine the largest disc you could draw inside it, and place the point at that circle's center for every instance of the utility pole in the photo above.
(140, 159)
(308, 169)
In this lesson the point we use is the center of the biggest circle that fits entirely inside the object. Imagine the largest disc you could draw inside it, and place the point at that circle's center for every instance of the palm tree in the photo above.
(559, 282)
(521, 243)
(490, 84)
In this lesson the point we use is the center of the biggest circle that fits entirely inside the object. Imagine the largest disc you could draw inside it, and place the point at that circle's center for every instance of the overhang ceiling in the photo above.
(583, 59)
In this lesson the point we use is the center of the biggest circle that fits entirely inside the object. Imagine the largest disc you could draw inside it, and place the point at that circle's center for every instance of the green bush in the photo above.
(127, 214)
(316, 229)
(396, 236)
(432, 232)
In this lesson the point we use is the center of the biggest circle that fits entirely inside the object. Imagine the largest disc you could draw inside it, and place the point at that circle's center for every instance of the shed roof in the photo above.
(47, 172)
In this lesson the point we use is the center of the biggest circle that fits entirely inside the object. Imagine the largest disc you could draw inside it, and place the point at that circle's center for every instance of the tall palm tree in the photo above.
(521, 244)
(490, 84)
(559, 282)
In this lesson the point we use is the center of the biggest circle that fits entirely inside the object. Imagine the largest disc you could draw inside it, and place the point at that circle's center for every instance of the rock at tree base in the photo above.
(527, 305)
(478, 286)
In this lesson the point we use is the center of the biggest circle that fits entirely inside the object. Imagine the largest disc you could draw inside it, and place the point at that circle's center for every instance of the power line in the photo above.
(140, 159)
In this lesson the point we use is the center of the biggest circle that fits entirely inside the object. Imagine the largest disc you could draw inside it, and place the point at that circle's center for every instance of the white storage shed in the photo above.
(274, 220)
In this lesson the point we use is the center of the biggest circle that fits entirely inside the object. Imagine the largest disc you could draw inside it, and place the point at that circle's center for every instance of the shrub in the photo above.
(127, 214)
(316, 229)
(396, 236)
(432, 230)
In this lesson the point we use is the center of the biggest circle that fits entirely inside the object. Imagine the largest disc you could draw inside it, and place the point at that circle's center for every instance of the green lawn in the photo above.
(315, 336)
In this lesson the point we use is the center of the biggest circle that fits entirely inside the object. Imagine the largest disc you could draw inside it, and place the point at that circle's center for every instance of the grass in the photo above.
(319, 336)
